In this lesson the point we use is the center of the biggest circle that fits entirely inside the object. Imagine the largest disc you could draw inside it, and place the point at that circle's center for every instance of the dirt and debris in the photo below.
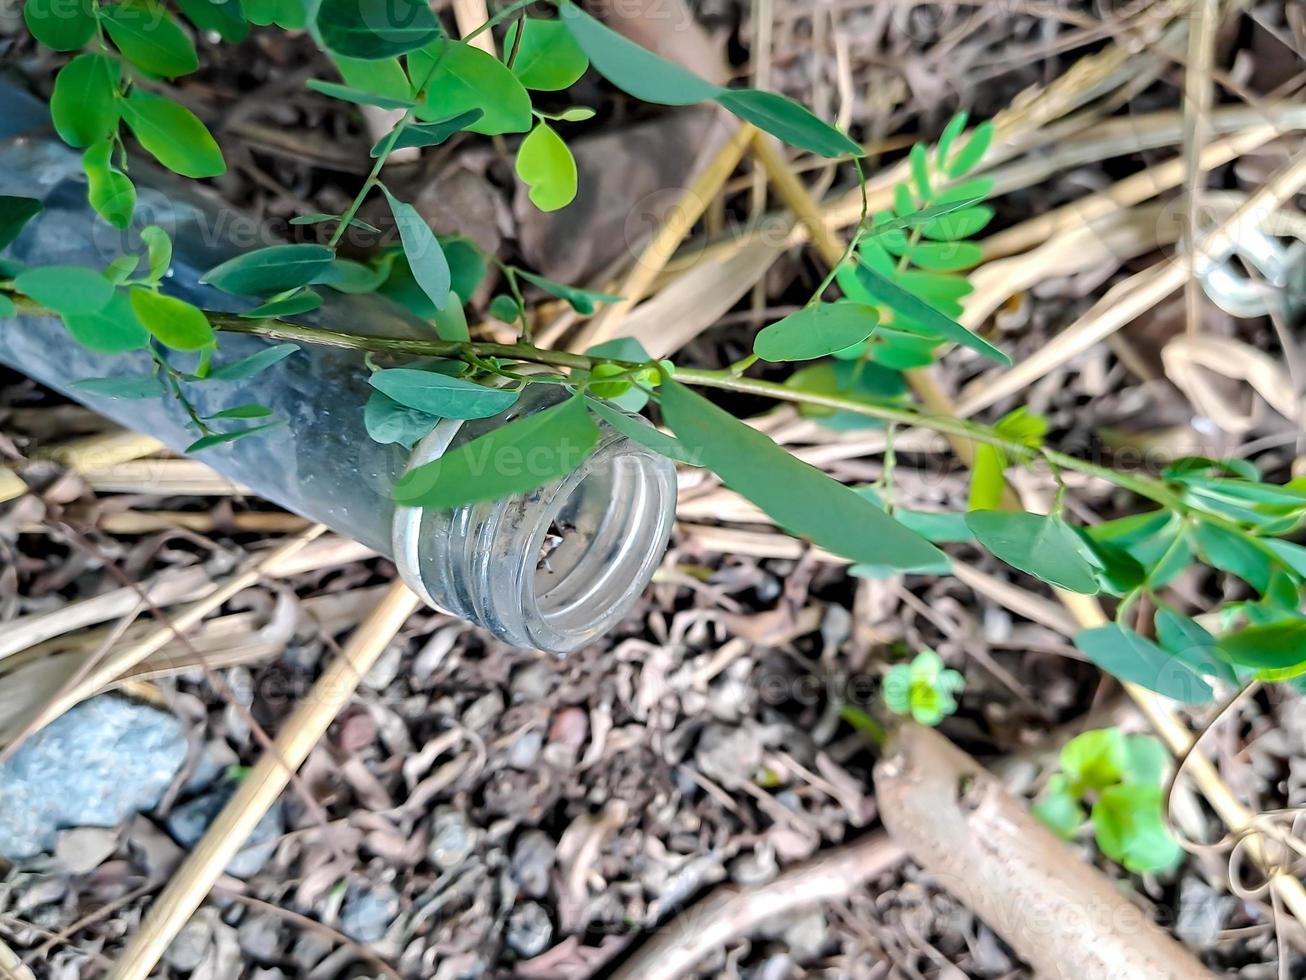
(480, 811)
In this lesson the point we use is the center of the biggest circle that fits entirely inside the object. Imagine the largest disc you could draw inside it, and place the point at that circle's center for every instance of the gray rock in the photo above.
(188, 822)
(452, 838)
(188, 950)
(532, 862)
(529, 930)
(368, 913)
(97, 765)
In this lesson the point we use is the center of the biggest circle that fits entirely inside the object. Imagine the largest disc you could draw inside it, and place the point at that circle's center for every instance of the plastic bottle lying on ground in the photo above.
(552, 569)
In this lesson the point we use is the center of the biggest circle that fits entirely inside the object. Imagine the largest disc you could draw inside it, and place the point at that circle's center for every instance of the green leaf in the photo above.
(466, 265)
(1043, 546)
(548, 57)
(439, 394)
(389, 422)
(173, 135)
(109, 191)
(111, 330)
(69, 289)
(359, 97)
(218, 438)
(375, 29)
(250, 411)
(799, 497)
(122, 268)
(354, 278)
(973, 151)
(815, 331)
(223, 17)
(1148, 760)
(149, 38)
(504, 307)
(1182, 637)
(422, 249)
(7, 308)
(920, 171)
(173, 322)
(857, 381)
(15, 212)
(1059, 810)
(451, 322)
(1291, 556)
(907, 304)
(946, 256)
(959, 224)
(299, 302)
(84, 104)
(639, 431)
(159, 248)
(1235, 553)
(125, 386)
(1124, 654)
(631, 68)
(465, 78)
(527, 453)
(1130, 829)
(955, 127)
(384, 76)
(580, 300)
(1095, 759)
(317, 219)
(546, 166)
(289, 15)
(960, 196)
(269, 270)
(59, 24)
(988, 479)
(1277, 647)
(254, 364)
(787, 120)
(430, 134)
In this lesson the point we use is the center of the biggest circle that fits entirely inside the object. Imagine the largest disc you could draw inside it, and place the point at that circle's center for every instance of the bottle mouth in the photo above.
(553, 568)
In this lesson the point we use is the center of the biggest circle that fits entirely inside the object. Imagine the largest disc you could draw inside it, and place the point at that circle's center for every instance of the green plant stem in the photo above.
(475, 353)
(1153, 489)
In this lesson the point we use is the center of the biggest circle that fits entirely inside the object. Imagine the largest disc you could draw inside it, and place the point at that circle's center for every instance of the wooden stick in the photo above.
(260, 789)
(689, 208)
(1061, 915)
(730, 911)
(11, 967)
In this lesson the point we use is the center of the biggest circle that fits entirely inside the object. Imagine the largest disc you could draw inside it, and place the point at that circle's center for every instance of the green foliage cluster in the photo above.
(923, 690)
(1120, 777)
(892, 305)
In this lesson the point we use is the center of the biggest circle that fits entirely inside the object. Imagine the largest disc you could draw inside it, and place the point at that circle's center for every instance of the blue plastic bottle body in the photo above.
(320, 461)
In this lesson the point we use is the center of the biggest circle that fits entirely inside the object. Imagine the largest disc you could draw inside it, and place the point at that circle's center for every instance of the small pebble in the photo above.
(525, 752)
(532, 862)
(452, 840)
(187, 950)
(368, 913)
(529, 930)
(188, 822)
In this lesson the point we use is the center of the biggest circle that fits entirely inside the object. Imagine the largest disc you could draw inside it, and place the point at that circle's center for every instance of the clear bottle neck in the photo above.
(551, 569)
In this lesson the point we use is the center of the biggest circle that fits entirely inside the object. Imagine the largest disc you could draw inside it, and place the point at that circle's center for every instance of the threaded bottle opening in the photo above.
(551, 569)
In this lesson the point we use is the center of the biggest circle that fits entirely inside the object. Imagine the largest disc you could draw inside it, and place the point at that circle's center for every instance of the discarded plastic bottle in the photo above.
(552, 569)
